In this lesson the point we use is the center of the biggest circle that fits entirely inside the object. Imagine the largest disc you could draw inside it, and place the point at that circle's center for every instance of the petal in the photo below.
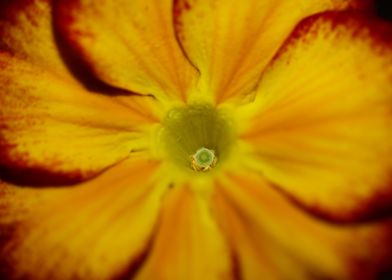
(273, 239)
(188, 244)
(323, 124)
(128, 44)
(96, 230)
(56, 133)
(231, 42)
(26, 31)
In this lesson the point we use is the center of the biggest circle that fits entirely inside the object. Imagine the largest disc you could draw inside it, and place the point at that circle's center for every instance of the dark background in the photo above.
(384, 10)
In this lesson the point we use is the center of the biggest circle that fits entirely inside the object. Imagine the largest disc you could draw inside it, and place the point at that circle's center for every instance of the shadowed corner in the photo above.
(384, 10)
(385, 275)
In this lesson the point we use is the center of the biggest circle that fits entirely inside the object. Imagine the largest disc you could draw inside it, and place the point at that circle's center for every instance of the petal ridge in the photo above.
(321, 129)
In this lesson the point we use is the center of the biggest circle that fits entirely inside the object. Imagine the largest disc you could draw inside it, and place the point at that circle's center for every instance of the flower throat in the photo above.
(197, 137)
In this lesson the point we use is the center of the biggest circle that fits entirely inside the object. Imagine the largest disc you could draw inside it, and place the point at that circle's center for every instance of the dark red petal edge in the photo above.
(18, 171)
(359, 268)
(73, 55)
(379, 206)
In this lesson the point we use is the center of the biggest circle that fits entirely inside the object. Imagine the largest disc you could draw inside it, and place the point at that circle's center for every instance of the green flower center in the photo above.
(204, 159)
(197, 137)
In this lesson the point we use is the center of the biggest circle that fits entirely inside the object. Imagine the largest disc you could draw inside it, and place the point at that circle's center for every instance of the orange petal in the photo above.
(26, 31)
(273, 239)
(96, 230)
(231, 42)
(128, 44)
(54, 131)
(188, 244)
(323, 128)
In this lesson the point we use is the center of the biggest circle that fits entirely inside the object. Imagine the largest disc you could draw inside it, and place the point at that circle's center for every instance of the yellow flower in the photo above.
(195, 139)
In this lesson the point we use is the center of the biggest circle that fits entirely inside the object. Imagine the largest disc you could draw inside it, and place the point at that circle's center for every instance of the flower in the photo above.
(195, 139)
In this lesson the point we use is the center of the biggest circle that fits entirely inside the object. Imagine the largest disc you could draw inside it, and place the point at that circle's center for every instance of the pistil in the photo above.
(203, 160)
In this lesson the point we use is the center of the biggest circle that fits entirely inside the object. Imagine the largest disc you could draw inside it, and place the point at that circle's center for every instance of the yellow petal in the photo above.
(52, 130)
(95, 230)
(322, 124)
(188, 245)
(26, 31)
(231, 42)
(128, 44)
(273, 239)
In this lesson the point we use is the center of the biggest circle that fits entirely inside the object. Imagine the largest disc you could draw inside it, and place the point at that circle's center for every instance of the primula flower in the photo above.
(195, 139)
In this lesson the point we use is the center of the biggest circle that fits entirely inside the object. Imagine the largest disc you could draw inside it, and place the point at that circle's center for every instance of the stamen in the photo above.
(203, 160)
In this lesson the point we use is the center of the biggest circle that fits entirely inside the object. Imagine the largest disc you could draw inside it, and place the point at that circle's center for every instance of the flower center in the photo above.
(197, 137)
(204, 159)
